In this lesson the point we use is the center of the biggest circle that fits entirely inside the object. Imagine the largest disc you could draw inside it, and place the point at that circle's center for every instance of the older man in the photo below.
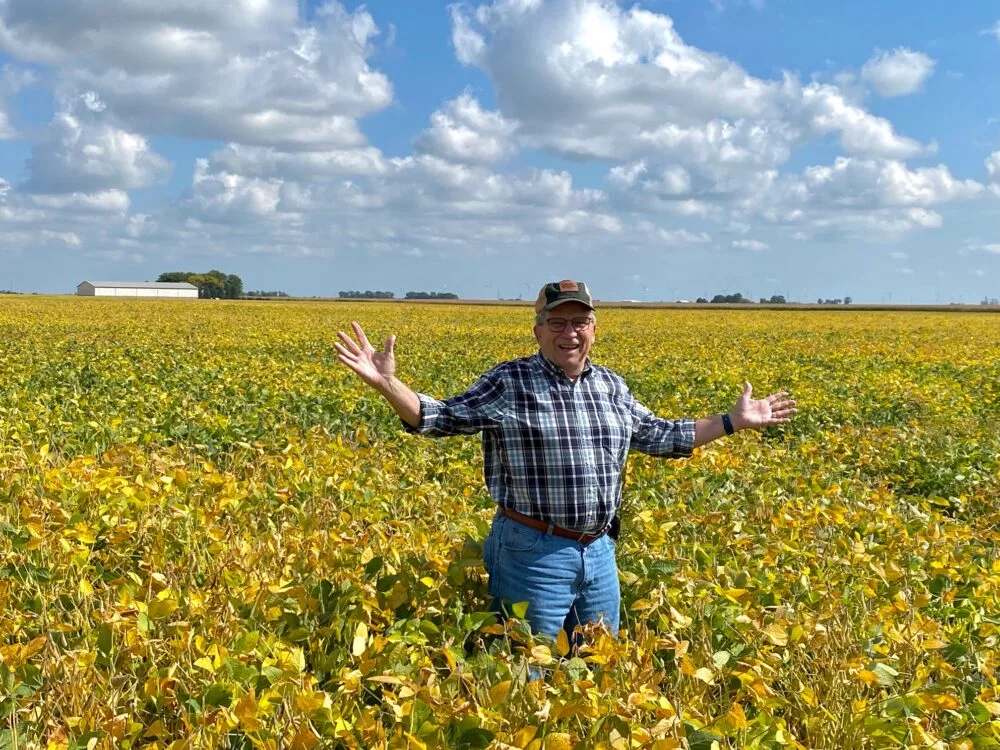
(557, 430)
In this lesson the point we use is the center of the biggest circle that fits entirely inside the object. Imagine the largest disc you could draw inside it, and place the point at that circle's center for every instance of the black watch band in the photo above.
(727, 423)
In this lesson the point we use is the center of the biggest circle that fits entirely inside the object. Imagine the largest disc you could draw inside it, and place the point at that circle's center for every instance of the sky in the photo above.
(658, 150)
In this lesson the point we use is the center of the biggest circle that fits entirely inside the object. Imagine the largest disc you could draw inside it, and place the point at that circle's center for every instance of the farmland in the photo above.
(212, 535)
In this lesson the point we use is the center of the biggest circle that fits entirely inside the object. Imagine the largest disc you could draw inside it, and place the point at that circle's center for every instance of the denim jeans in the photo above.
(565, 583)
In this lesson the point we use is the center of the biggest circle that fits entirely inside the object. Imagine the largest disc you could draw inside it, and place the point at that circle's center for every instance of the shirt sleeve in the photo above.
(482, 407)
(660, 437)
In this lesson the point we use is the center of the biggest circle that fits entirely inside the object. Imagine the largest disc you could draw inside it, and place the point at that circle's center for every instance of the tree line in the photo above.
(775, 299)
(212, 285)
(368, 294)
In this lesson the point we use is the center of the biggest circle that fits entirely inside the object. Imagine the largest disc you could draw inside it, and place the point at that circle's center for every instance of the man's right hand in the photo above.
(375, 368)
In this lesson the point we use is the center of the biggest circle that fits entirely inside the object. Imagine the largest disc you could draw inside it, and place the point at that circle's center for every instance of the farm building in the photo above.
(136, 289)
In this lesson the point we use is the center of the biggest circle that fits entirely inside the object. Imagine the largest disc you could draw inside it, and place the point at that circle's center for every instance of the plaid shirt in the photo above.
(555, 449)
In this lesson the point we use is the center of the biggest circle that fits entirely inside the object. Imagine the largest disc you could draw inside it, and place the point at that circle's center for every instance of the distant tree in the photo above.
(367, 294)
(701, 301)
(233, 286)
(212, 285)
(730, 299)
(431, 295)
(777, 299)
(848, 300)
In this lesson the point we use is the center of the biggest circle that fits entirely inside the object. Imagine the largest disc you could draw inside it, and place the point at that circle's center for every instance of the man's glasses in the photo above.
(558, 325)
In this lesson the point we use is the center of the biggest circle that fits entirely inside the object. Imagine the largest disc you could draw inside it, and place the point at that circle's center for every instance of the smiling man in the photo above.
(556, 430)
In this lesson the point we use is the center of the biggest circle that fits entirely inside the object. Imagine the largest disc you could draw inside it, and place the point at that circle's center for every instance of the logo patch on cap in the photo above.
(568, 286)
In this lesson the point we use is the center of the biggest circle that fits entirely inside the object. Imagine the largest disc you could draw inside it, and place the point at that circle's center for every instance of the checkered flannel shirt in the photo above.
(555, 449)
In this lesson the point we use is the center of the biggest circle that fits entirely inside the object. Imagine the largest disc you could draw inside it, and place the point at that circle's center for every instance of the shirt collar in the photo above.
(557, 372)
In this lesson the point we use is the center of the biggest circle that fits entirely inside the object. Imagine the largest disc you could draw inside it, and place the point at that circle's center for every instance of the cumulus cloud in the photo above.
(857, 182)
(83, 151)
(464, 132)
(899, 72)
(994, 31)
(12, 80)
(754, 245)
(993, 166)
(589, 79)
(248, 70)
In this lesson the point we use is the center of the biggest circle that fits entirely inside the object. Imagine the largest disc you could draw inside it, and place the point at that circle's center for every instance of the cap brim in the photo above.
(553, 305)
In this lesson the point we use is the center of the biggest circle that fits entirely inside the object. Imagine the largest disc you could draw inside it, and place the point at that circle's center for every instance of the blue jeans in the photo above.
(565, 583)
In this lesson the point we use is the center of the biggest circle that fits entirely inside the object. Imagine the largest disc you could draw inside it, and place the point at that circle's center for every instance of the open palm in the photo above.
(754, 414)
(374, 367)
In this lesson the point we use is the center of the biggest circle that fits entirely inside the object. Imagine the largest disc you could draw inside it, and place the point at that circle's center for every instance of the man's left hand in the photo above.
(756, 414)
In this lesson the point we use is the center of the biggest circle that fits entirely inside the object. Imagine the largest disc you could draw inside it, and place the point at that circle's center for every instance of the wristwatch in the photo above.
(727, 423)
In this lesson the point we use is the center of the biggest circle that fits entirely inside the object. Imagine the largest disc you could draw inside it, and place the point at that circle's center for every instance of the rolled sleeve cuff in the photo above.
(684, 446)
(430, 409)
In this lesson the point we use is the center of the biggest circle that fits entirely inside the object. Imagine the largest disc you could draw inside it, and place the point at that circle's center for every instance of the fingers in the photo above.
(345, 353)
(349, 344)
(390, 344)
(359, 332)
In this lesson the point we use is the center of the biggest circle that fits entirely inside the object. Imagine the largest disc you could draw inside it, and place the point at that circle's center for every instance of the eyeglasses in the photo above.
(558, 325)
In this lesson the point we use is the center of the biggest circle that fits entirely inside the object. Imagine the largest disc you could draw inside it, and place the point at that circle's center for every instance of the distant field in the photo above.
(211, 533)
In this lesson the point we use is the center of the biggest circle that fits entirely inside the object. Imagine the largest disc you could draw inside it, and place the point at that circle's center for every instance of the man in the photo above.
(556, 433)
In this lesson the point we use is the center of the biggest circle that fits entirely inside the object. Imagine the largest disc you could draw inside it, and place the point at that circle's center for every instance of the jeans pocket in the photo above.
(516, 537)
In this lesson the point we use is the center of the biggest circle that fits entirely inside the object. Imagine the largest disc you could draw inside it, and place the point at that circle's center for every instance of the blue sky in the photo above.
(658, 150)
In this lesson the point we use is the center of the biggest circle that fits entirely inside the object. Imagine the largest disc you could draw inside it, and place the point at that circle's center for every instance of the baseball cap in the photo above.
(556, 293)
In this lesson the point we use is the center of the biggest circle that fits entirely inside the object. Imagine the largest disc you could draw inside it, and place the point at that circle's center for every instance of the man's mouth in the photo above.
(569, 347)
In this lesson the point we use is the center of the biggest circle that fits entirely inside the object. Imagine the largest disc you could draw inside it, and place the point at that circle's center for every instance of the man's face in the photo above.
(568, 348)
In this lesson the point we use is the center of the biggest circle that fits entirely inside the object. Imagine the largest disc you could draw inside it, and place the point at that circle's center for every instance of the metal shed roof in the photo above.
(140, 284)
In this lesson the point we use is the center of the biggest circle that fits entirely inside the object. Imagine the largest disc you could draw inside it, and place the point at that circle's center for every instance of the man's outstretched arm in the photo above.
(378, 369)
(746, 414)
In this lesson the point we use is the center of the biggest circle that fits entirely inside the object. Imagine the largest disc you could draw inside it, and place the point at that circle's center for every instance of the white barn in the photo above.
(137, 289)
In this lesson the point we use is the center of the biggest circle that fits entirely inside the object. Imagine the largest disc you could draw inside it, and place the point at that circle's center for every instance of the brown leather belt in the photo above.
(534, 523)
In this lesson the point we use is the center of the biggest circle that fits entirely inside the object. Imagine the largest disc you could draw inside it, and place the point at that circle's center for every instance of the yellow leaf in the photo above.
(523, 736)
(360, 642)
(85, 588)
(159, 610)
(809, 696)
(246, 712)
(776, 634)
(520, 609)
(305, 738)
(868, 677)
(562, 643)
(541, 654)
(206, 664)
(309, 701)
(499, 692)
(558, 741)
(735, 720)
(705, 675)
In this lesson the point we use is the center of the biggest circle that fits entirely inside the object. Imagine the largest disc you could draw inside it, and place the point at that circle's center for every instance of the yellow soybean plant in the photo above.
(211, 535)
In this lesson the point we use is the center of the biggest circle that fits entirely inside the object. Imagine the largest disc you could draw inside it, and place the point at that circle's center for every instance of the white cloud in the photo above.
(990, 247)
(82, 151)
(12, 80)
(861, 133)
(898, 255)
(859, 182)
(899, 72)
(994, 31)
(108, 201)
(589, 79)
(246, 71)
(464, 132)
(993, 165)
(754, 245)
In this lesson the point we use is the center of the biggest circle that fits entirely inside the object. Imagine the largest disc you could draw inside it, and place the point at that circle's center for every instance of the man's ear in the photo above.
(537, 337)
